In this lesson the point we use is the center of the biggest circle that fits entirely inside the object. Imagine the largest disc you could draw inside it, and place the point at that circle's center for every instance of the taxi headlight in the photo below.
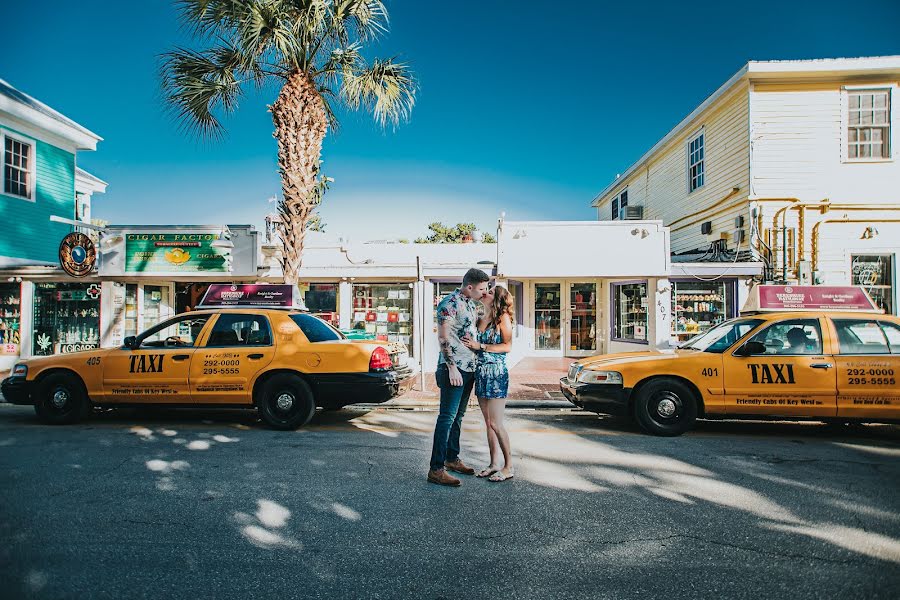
(600, 377)
(20, 370)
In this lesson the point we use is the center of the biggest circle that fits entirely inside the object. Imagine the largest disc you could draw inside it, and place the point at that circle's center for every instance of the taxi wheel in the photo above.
(61, 399)
(665, 406)
(286, 402)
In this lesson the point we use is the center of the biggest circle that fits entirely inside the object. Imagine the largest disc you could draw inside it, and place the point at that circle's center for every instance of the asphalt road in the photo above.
(202, 505)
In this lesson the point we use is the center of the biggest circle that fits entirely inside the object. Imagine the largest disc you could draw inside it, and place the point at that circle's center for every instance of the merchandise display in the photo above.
(384, 310)
(697, 307)
(547, 323)
(583, 320)
(66, 318)
(630, 300)
(10, 318)
(131, 309)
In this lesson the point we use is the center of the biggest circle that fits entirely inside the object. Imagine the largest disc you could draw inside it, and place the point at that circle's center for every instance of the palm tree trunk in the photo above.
(300, 127)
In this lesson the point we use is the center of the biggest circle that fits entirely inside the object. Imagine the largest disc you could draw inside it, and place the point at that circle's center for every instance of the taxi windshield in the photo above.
(721, 337)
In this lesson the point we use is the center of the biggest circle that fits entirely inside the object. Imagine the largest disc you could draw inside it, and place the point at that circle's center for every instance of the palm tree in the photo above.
(313, 50)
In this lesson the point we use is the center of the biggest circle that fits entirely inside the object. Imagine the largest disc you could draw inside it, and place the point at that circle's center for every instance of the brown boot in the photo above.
(460, 467)
(441, 477)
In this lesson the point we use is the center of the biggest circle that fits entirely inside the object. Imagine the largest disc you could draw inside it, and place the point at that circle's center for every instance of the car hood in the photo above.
(628, 357)
(38, 361)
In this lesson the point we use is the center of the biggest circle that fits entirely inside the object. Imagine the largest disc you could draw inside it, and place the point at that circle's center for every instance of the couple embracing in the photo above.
(473, 355)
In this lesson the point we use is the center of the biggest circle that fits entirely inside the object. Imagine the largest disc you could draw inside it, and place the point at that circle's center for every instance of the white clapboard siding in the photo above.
(661, 186)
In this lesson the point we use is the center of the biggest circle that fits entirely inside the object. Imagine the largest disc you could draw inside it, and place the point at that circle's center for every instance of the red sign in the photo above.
(813, 297)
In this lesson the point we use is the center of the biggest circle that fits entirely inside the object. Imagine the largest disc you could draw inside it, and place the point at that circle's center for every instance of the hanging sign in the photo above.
(771, 298)
(175, 253)
(77, 254)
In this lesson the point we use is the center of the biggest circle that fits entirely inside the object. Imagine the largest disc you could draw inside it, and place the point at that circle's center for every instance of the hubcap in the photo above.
(60, 398)
(668, 405)
(284, 402)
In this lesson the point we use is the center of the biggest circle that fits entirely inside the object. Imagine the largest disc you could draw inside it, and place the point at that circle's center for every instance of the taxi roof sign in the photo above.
(253, 295)
(786, 298)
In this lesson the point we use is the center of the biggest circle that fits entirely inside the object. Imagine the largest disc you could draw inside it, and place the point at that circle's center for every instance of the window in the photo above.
(695, 163)
(718, 339)
(18, 167)
(240, 330)
(861, 337)
(618, 205)
(868, 124)
(315, 329)
(797, 336)
(875, 273)
(180, 331)
(892, 333)
(630, 313)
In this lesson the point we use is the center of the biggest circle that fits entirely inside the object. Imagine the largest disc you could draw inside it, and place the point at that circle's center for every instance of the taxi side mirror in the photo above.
(751, 349)
(130, 342)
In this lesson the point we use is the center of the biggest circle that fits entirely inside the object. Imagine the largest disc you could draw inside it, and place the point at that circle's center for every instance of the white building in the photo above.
(789, 170)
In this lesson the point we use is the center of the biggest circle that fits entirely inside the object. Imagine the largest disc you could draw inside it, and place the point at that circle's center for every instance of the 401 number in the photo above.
(710, 372)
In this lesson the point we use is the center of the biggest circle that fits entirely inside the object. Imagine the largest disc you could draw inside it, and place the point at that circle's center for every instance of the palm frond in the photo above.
(196, 84)
(387, 88)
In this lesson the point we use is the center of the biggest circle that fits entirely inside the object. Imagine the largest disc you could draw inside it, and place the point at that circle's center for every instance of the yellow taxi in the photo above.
(284, 362)
(834, 364)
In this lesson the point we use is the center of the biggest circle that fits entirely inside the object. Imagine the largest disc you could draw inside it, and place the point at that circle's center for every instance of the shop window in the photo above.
(698, 306)
(240, 330)
(797, 336)
(861, 337)
(156, 304)
(66, 317)
(384, 310)
(322, 300)
(876, 274)
(131, 309)
(630, 312)
(547, 324)
(10, 318)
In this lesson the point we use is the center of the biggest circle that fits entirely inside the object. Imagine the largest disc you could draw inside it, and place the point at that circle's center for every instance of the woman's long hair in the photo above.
(503, 304)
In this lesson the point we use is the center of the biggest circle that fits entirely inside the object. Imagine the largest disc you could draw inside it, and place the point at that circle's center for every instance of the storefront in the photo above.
(385, 310)
(66, 318)
(698, 305)
(10, 318)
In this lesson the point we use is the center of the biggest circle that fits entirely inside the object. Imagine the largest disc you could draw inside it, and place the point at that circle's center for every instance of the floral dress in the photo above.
(491, 374)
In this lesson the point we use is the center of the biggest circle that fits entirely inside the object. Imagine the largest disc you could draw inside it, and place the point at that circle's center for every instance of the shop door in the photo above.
(581, 319)
(793, 377)
(548, 318)
(157, 370)
(224, 368)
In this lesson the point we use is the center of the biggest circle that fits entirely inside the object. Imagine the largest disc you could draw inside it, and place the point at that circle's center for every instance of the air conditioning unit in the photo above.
(634, 213)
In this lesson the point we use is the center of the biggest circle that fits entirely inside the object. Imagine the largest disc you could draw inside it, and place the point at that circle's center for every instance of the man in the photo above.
(457, 316)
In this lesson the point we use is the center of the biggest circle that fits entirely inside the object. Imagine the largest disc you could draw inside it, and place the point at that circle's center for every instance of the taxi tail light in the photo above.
(381, 360)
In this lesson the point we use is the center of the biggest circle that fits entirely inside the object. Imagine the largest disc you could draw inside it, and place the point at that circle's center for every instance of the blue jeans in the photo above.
(454, 400)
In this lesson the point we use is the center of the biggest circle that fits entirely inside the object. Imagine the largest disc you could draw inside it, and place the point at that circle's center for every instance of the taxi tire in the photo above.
(652, 394)
(302, 409)
(77, 405)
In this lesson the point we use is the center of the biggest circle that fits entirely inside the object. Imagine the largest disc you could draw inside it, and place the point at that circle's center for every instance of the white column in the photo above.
(345, 304)
(660, 323)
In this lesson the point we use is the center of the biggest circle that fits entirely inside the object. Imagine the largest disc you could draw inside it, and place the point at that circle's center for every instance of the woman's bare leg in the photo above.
(496, 407)
(493, 444)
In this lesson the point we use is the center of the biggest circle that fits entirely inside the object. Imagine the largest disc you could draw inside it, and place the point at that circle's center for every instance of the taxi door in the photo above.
(238, 347)
(868, 368)
(787, 373)
(157, 367)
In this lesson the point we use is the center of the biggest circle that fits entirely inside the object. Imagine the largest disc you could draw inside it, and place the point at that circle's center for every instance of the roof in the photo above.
(91, 183)
(12, 96)
(819, 69)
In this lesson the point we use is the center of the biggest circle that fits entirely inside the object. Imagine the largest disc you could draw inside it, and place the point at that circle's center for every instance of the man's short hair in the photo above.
(474, 277)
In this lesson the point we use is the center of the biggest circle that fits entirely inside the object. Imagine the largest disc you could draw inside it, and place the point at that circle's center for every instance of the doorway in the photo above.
(565, 318)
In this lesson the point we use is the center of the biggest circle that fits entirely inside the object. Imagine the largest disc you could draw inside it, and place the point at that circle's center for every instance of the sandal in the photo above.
(499, 476)
(486, 472)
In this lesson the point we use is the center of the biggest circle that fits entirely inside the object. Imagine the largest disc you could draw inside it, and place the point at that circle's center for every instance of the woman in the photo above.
(492, 377)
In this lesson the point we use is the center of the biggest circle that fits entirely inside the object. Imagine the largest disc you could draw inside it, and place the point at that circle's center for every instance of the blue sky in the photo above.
(525, 107)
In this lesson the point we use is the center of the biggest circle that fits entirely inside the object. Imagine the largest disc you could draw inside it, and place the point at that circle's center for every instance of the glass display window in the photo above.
(547, 323)
(384, 310)
(156, 305)
(583, 317)
(322, 300)
(10, 318)
(875, 272)
(131, 309)
(698, 306)
(66, 317)
(630, 321)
